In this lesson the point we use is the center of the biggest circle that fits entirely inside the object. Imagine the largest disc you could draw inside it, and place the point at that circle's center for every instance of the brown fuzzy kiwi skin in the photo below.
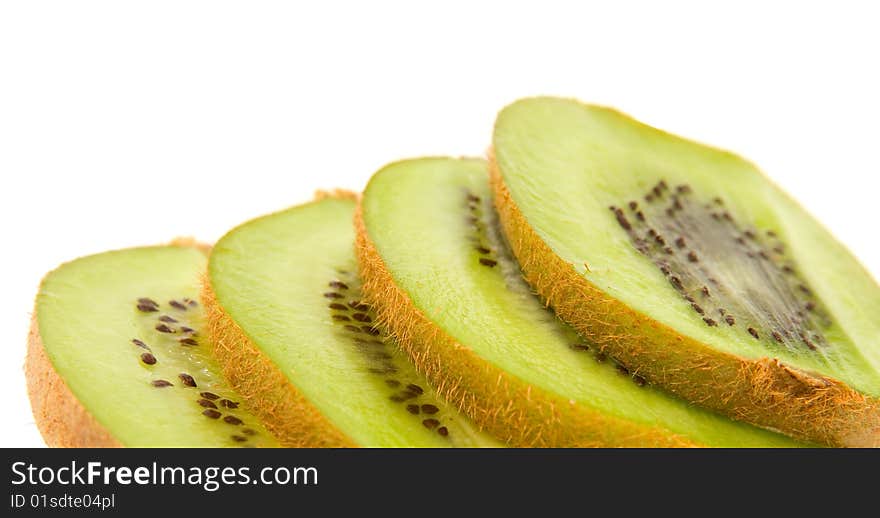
(264, 388)
(514, 411)
(62, 420)
(765, 392)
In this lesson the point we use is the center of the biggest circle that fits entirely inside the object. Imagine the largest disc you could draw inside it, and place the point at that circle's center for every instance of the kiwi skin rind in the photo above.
(266, 391)
(502, 404)
(62, 420)
(765, 392)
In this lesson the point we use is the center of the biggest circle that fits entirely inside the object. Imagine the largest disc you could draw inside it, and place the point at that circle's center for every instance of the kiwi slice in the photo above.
(117, 356)
(441, 278)
(296, 339)
(690, 266)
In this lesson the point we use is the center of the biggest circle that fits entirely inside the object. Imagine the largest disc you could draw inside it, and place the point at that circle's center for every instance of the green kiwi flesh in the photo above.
(123, 330)
(695, 238)
(432, 223)
(288, 281)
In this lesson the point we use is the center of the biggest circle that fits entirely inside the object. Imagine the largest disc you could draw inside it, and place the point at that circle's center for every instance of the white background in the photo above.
(131, 123)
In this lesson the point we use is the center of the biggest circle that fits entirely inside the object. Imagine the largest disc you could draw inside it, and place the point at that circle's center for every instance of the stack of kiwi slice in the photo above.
(595, 283)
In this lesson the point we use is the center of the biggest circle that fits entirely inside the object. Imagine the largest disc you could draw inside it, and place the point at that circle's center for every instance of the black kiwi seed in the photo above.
(148, 358)
(148, 301)
(397, 399)
(228, 404)
(621, 219)
(207, 404)
(213, 414)
(482, 250)
(412, 387)
(161, 383)
(248, 431)
(692, 257)
(443, 431)
(777, 336)
(140, 344)
(362, 317)
(431, 423)
(231, 419)
(697, 308)
(187, 380)
(238, 438)
(166, 318)
(488, 262)
(339, 285)
(371, 330)
(412, 409)
(162, 328)
(730, 320)
(188, 341)
(341, 318)
(710, 321)
(177, 305)
(184, 329)
(191, 303)
(430, 409)
(358, 305)
(209, 395)
(146, 308)
(333, 295)
(336, 305)
(392, 383)
(753, 332)
(633, 205)
(353, 329)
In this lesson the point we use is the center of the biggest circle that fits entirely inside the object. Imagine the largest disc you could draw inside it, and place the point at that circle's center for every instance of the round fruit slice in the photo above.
(296, 340)
(117, 356)
(687, 264)
(442, 281)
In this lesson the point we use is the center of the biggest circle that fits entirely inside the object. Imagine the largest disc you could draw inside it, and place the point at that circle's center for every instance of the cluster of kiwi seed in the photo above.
(694, 292)
(355, 318)
(178, 326)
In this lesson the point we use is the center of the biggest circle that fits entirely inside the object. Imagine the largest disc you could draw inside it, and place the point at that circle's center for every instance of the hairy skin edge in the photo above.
(764, 392)
(515, 412)
(265, 390)
(62, 420)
